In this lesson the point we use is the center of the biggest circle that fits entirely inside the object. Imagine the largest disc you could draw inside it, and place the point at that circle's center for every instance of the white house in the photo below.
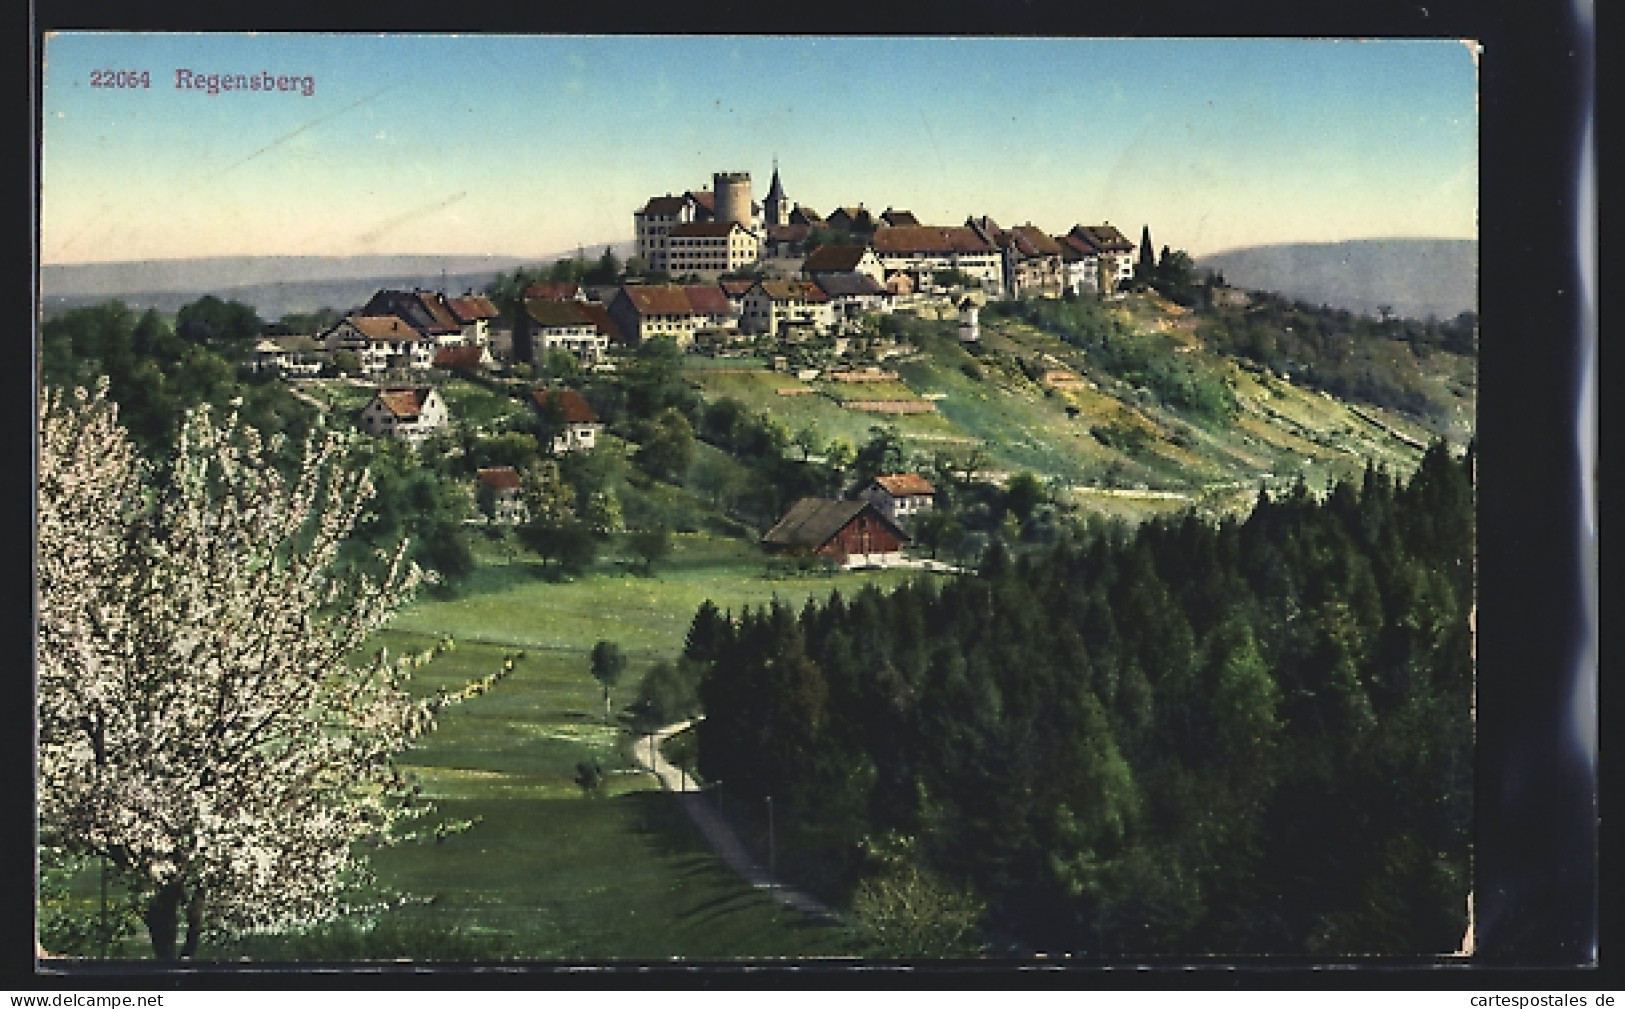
(1116, 253)
(1080, 265)
(288, 356)
(564, 325)
(970, 329)
(644, 312)
(900, 496)
(924, 251)
(710, 248)
(851, 296)
(474, 314)
(411, 413)
(654, 221)
(844, 259)
(498, 488)
(573, 423)
(382, 342)
(773, 306)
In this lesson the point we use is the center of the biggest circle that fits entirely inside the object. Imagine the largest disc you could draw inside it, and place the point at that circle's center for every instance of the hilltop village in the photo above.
(714, 270)
(740, 305)
(714, 267)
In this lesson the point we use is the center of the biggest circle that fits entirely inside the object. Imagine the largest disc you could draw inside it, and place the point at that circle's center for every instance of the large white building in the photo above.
(923, 251)
(563, 325)
(654, 222)
(691, 233)
(709, 249)
(382, 343)
(777, 306)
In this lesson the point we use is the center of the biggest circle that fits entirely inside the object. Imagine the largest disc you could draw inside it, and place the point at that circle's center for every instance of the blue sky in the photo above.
(530, 146)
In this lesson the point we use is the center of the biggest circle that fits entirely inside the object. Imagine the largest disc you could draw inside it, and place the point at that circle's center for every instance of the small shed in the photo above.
(840, 530)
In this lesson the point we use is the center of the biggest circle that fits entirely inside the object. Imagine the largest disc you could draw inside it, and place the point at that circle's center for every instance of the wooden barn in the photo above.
(839, 530)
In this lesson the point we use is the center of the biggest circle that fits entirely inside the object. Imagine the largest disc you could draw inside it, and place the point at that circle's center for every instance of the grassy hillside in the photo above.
(1123, 408)
(543, 870)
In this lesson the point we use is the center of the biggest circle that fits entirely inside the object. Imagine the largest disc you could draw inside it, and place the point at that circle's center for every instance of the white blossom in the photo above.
(204, 722)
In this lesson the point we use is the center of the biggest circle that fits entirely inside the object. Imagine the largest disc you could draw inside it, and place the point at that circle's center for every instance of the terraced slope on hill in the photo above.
(1139, 417)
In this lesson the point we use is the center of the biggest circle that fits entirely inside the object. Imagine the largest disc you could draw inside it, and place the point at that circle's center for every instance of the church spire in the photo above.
(776, 190)
(776, 208)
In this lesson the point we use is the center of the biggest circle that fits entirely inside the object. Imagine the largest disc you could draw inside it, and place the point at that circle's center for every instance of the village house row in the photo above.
(748, 269)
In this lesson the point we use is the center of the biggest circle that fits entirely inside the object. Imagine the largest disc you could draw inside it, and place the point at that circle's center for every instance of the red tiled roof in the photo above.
(405, 403)
(834, 259)
(598, 315)
(704, 198)
(736, 288)
(435, 304)
(848, 218)
(787, 290)
(928, 239)
(459, 358)
(658, 299)
(900, 219)
(553, 290)
(708, 300)
(549, 313)
(499, 478)
(574, 408)
(1033, 242)
(424, 311)
(788, 232)
(1078, 244)
(904, 484)
(1104, 237)
(472, 308)
(383, 327)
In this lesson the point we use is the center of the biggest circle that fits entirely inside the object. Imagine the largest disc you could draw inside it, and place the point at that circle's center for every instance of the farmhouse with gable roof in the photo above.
(411, 414)
(900, 496)
(847, 532)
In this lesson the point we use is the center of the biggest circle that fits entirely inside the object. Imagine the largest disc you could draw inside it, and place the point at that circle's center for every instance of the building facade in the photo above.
(710, 249)
(900, 496)
(410, 414)
(924, 252)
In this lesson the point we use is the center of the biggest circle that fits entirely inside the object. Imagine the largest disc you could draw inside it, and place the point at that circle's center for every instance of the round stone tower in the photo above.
(733, 197)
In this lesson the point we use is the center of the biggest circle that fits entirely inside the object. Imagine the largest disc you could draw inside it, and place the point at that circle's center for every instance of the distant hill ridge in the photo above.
(1414, 277)
(277, 285)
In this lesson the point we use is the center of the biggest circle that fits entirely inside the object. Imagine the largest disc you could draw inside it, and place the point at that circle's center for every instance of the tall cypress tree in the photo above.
(1146, 271)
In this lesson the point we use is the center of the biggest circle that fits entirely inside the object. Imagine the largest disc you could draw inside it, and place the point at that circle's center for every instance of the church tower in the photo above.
(776, 209)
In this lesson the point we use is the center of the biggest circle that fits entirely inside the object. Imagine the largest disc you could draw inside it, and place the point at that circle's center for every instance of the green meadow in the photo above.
(527, 865)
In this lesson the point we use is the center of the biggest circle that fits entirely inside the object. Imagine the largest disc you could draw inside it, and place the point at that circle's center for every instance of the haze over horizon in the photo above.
(525, 146)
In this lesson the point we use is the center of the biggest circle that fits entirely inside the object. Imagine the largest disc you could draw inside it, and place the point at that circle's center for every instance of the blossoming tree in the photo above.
(204, 723)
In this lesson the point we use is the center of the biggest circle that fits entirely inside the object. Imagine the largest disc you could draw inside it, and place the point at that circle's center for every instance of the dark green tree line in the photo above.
(1246, 737)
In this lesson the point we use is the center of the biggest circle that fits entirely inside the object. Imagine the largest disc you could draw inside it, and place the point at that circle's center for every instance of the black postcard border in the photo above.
(1540, 872)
